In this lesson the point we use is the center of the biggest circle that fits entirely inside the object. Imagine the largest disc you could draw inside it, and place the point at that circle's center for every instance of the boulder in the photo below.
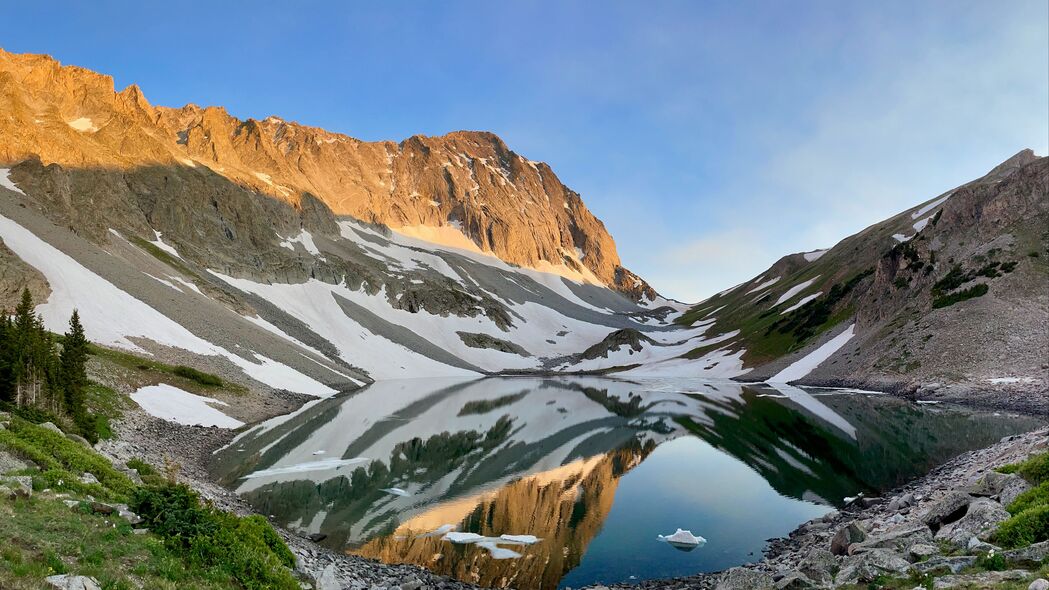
(947, 509)
(1034, 554)
(849, 534)
(944, 564)
(795, 581)
(1039, 584)
(71, 582)
(741, 578)
(978, 547)
(980, 580)
(19, 486)
(79, 439)
(896, 539)
(990, 485)
(1013, 488)
(102, 508)
(867, 566)
(900, 502)
(819, 566)
(982, 516)
(922, 551)
(50, 426)
(9, 462)
(327, 579)
(87, 478)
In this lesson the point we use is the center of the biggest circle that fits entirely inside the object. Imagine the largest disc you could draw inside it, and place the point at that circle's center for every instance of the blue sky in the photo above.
(711, 137)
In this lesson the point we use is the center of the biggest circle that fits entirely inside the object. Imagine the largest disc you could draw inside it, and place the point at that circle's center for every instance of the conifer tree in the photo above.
(73, 361)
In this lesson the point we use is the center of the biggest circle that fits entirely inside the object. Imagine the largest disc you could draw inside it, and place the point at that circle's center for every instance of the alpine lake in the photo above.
(569, 481)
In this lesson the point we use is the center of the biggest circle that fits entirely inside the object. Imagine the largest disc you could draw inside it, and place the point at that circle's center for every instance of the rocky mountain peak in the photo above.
(465, 186)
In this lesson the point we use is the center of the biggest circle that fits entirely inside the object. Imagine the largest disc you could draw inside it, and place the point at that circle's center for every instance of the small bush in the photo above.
(1029, 526)
(141, 467)
(199, 376)
(245, 548)
(993, 562)
(1030, 499)
(1035, 469)
(970, 293)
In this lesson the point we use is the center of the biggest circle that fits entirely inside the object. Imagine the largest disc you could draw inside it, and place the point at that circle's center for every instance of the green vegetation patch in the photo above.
(206, 379)
(1029, 522)
(959, 296)
(188, 375)
(163, 256)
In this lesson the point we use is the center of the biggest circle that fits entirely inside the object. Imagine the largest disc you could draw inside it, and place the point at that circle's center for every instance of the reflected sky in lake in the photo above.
(596, 468)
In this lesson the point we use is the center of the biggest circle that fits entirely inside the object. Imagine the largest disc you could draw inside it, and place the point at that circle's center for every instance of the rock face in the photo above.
(465, 187)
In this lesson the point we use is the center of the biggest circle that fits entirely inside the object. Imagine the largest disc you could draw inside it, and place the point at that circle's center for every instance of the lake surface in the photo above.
(595, 468)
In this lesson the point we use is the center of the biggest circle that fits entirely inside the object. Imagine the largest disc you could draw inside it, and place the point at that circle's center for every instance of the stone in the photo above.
(413, 585)
(102, 508)
(947, 509)
(20, 486)
(128, 515)
(990, 485)
(9, 462)
(1034, 554)
(79, 439)
(819, 565)
(327, 579)
(897, 539)
(849, 534)
(71, 503)
(71, 582)
(1039, 584)
(317, 537)
(980, 580)
(978, 547)
(50, 426)
(794, 581)
(87, 478)
(944, 564)
(139, 531)
(741, 578)
(921, 551)
(1013, 488)
(982, 516)
(867, 566)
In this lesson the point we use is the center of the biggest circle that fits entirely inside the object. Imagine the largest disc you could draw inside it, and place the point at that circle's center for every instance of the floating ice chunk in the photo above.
(683, 537)
(437, 532)
(322, 465)
(463, 538)
(520, 539)
(498, 552)
(396, 491)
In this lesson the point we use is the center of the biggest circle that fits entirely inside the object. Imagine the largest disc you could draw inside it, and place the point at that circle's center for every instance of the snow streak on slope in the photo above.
(112, 316)
(171, 403)
(804, 366)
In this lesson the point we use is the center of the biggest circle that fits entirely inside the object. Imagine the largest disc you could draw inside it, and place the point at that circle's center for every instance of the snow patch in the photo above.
(801, 302)
(6, 182)
(760, 287)
(804, 366)
(170, 403)
(925, 209)
(790, 293)
(83, 124)
(815, 255)
(159, 243)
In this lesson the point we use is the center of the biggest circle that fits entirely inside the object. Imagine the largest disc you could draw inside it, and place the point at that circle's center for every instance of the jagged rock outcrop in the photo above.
(441, 188)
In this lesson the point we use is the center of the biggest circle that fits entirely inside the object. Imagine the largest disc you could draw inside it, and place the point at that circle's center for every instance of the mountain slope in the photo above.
(466, 188)
(952, 291)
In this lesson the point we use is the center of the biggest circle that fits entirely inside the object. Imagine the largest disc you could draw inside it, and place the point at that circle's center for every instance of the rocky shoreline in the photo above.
(886, 530)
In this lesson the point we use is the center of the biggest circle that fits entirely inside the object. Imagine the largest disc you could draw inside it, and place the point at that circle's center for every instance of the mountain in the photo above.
(467, 188)
(264, 250)
(291, 258)
(953, 292)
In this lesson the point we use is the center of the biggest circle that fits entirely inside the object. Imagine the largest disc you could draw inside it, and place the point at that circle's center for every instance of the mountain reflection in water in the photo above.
(594, 467)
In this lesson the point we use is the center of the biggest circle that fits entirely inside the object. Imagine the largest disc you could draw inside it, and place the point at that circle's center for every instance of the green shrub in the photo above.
(141, 467)
(199, 376)
(245, 548)
(991, 562)
(1029, 526)
(1035, 469)
(951, 299)
(1031, 498)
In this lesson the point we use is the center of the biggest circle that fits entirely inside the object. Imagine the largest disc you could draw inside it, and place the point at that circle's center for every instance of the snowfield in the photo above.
(175, 405)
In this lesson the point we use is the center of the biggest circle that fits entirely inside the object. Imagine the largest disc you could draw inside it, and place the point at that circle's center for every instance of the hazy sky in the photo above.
(711, 137)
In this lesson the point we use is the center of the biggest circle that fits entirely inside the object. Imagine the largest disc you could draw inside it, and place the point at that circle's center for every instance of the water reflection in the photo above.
(595, 468)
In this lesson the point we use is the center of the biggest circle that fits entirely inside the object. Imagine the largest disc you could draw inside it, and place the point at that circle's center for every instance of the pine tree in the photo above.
(73, 362)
